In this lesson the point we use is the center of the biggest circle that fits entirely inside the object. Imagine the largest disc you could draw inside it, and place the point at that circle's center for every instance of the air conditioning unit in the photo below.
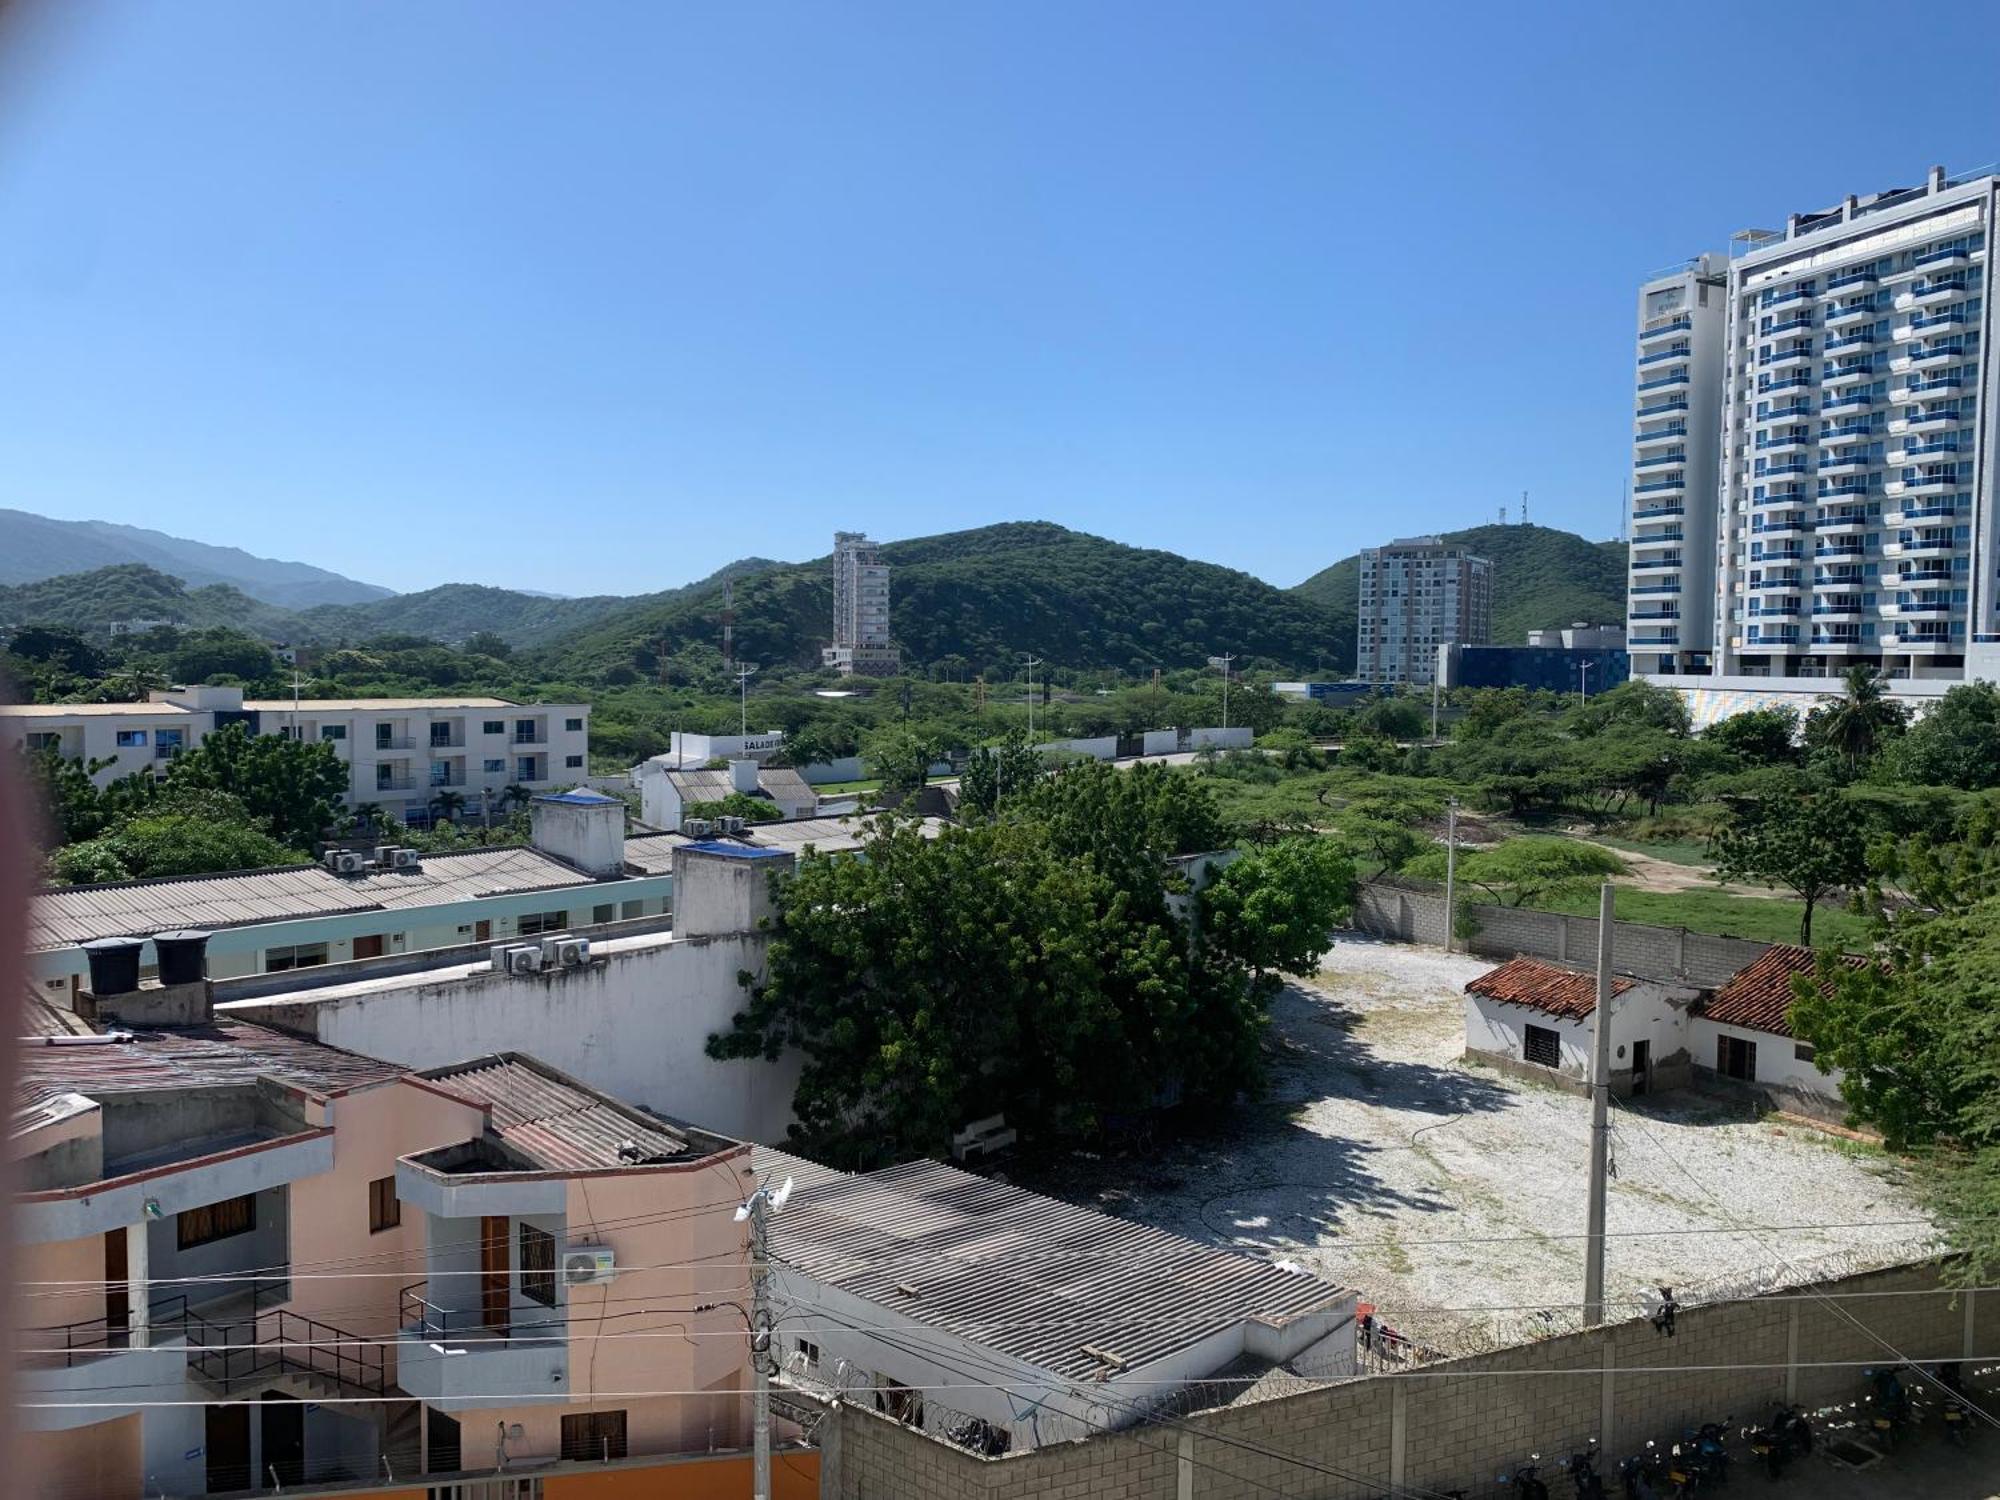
(524, 959)
(345, 862)
(588, 1265)
(570, 953)
(407, 859)
(729, 825)
(385, 855)
(552, 946)
(498, 956)
(696, 827)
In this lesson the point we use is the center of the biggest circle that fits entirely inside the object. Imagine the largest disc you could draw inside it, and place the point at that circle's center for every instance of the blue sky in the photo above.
(596, 297)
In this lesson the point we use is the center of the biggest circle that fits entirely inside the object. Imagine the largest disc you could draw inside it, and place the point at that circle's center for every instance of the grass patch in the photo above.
(1674, 851)
(1764, 919)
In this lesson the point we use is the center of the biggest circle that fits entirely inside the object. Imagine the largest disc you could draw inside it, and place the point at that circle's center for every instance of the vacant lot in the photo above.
(1455, 1199)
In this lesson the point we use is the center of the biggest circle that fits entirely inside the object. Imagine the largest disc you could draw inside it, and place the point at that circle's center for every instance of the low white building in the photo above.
(1027, 1320)
(402, 754)
(1743, 1033)
(690, 752)
(1535, 1020)
(666, 792)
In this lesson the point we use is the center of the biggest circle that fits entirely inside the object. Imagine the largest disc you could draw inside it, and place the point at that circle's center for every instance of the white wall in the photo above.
(1777, 1062)
(1160, 741)
(633, 1025)
(1645, 1012)
(1237, 737)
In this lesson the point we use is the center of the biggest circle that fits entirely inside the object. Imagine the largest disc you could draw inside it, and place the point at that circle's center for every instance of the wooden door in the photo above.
(117, 1290)
(369, 946)
(482, 931)
(493, 1295)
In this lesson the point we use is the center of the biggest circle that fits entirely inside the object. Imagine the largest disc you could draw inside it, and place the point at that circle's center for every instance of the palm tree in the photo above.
(367, 816)
(448, 805)
(1856, 723)
(515, 795)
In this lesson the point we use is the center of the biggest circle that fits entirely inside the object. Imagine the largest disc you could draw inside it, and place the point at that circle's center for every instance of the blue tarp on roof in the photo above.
(731, 851)
(581, 796)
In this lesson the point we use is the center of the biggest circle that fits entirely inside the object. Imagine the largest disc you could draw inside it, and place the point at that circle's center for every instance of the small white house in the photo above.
(1743, 1032)
(1535, 1019)
(666, 791)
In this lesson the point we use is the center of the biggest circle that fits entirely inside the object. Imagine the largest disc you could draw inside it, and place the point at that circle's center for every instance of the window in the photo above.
(45, 740)
(573, 726)
(333, 731)
(1736, 1058)
(168, 742)
(631, 909)
(594, 1435)
(1804, 1052)
(808, 1353)
(527, 731)
(495, 767)
(493, 726)
(1542, 1046)
(385, 1209)
(441, 734)
(216, 1221)
(298, 956)
(534, 922)
(538, 1268)
(605, 913)
(573, 762)
(131, 738)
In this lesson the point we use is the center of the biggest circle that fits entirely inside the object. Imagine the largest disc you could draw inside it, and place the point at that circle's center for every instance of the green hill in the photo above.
(92, 602)
(988, 595)
(1541, 578)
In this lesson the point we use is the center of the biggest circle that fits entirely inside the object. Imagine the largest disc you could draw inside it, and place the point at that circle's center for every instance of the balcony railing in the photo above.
(1850, 278)
(394, 742)
(1801, 293)
(1679, 378)
(395, 783)
(530, 739)
(419, 1316)
(1933, 257)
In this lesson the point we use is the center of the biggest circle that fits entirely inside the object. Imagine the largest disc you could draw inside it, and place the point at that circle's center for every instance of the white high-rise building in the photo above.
(1416, 595)
(1852, 513)
(861, 642)
(1669, 619)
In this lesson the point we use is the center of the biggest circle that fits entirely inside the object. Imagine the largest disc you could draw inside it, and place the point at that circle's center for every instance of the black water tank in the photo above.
(183, 955)
(114, 964)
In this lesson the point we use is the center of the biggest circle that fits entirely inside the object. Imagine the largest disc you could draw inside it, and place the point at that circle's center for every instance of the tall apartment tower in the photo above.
(1670, 610)
(1416, 595)
(861, 644)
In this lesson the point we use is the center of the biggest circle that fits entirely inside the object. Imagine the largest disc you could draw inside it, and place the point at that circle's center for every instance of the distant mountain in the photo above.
(987, 596)
(1542, 577)
(92, 602)
(35, 547)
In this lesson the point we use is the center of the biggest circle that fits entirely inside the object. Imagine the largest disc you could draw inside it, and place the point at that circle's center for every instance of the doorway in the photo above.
(1642, 1067)
(227, 1439)
(493, 1296)
(284, 1432)
(117, 1290)
(1736, 1057)
(369, 946)
(443, 1453)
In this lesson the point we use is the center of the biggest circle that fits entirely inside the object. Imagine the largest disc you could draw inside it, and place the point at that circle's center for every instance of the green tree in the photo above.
(487, 643)
(1525, 871)
(1813, 843)
(65, 789)
(217, 653)
(1387, 826)
(818, 742)
(1274, 909)
(1632, 703)
(901, 758)
(56, 646)
(995, 775)
(290, 786)
(1758, 736)
(1854, 726)
(448, 805)
(1956, 744)
(155, 845)
(736, 805)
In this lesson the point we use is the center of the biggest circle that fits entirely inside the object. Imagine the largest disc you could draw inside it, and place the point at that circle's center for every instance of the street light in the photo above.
(1582, 677)
(1031, 662)
(758, 1209)
(743, 697)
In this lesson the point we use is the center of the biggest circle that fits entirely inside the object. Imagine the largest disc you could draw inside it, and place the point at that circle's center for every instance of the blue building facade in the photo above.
(1555, 669)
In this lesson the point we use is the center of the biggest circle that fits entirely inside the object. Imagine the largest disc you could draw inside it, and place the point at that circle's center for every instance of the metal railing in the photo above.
(417, 1314)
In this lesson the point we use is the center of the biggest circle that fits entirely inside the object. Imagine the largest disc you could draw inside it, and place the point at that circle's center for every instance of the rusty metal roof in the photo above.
(1033, 1277)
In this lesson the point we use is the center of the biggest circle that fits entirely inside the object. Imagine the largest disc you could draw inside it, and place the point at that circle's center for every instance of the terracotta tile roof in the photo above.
(1567, 993)
(1759, 998)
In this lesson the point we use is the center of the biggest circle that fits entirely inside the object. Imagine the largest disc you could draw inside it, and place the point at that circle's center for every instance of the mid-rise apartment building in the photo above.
(861, 642)
(1675, 450)
(403, 754)
(1851, 507)
(1417, 595)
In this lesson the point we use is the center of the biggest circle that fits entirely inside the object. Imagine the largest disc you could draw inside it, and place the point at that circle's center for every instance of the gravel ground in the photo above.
(1454, 1198)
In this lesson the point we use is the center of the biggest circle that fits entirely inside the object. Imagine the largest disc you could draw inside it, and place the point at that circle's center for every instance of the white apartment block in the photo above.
(1417, 595)
(1675, 447)
(401, 753)
(861, 642)
(1852, 506)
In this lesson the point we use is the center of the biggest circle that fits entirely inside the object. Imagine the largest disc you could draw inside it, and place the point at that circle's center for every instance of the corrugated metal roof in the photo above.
(1759, 997)
(90, 710)
(75, 914)
(653, 853)
(383, 705)
(1030, 1276)
(1566, 993)
(216, 1053)
(558, 1123)
(776, 783)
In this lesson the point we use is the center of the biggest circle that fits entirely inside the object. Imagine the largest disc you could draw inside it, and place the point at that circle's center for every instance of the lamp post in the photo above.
(1582, 678)
(1031, 662)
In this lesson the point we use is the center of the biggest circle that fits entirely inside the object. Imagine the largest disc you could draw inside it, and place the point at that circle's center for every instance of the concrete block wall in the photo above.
(1461, 1422)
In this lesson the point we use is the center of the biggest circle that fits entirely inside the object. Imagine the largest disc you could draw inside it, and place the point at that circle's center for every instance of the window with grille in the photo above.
(538, 1266)
(216, 1221)
(1543, 1046)
(594, 1435)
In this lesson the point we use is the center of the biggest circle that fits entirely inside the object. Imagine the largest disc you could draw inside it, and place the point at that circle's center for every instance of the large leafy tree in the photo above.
(1856, 724)
(157, 844)
(291, 787)
(1957, 743)
(1758, 736)
(1525, 871)
(996, 774)
(1813, 842)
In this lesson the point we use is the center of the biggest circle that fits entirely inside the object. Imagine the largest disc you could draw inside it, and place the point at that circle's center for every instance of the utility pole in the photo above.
(297, 683)
(1450, 867)
(1600, 1117)
(758, 1210)
(1032, 662)
(743, 697)
(1434, 704)
(1582, 679)
(1222, 663)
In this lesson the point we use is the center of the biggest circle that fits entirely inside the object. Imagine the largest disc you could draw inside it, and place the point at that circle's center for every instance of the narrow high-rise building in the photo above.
(861, 643)
(1849, 517)
(1670, 609)
(1416, 595)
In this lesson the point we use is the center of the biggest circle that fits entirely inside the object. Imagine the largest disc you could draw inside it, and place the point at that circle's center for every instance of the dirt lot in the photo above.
(1454, 1198)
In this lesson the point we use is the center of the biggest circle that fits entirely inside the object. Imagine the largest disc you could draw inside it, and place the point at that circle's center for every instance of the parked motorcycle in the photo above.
(1643, 1475)
(1582, 1470)
(1684, 1468)
(1957, 1412)
(1784, 1436)
(1887, 1405)
(1711, 1451)
(1526, 1479)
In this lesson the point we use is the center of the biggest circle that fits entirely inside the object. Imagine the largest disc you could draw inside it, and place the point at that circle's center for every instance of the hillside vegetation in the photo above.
(1541, 578)
(91, 602)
